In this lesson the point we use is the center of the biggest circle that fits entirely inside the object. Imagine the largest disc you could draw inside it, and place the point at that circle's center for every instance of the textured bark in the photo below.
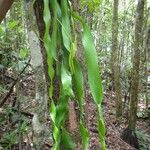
(129, 134)
(4, 7)
(89, 18)
(39, 118)
(136, 64)
(115, 61)
(147, 55)
(73, 112)
(40, 111)
(38, 7)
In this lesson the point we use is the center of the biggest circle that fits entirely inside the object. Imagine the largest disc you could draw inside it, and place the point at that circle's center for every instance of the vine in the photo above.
(70, 74)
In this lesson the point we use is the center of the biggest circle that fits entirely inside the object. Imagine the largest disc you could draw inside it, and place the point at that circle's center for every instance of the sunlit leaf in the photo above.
(23, 53)
(93, 74)
(12, 24)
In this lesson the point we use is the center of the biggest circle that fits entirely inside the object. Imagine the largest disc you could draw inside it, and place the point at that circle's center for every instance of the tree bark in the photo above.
(129, 134)
(115, 61)
(136, 65)
(4, 7)
(41, 96)
(147, 49)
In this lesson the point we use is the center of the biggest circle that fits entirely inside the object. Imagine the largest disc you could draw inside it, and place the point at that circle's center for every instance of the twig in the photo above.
(27, 114)
(8, 77)
(11, 89)
(23, 112)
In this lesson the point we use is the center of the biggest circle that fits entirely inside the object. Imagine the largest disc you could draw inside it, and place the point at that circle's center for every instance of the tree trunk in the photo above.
(115, 61)
(41, 97)
(136, 64)
(129, 134)
(4, 7)
(147, 49)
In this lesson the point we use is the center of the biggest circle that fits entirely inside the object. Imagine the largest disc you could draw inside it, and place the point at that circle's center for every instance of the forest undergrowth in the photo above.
(9, 120)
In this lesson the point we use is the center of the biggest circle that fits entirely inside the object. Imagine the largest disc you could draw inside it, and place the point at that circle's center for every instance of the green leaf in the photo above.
(79, 91)
(91, 62)
(23, 53)
(78, 84)
(56, 131)
(53, 43)
(62, 110)
(53, 111)
(66, 80)
(13, 24)
(72, 55)
(66, 30)
(101, 132)
(92, 65)
(67, 141)
(47, 41)
(94, 79)
(85, 136)
(1, 30)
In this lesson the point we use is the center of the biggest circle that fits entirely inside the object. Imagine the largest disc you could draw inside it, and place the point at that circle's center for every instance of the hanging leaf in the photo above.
(47, 41)
(70, 69)
(53, 43)
(92, 65)
(62, 111)
(72, 55)
(85, 136)
(78, 84)
(66, 80)
(67, 141)
(66, 30)
(79, 91)
(94, 79)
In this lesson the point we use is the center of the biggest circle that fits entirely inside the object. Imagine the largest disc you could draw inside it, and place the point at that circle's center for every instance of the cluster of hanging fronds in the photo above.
(59, 19)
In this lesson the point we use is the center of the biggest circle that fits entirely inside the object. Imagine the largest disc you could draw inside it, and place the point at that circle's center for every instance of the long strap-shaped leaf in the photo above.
(50, 49)
(66, 32)
(53, 43)
(59, 113)
(66, 28)
(62, 108)
(47, 41)
(79, 91)
(93, 75)
(78, 85)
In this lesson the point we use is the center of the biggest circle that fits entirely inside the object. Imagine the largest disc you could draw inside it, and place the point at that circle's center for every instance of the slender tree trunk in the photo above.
(136, 64)
(129, 134)
(147, 49)
(114, 57)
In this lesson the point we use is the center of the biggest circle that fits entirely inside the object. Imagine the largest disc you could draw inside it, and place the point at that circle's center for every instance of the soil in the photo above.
(113, 130)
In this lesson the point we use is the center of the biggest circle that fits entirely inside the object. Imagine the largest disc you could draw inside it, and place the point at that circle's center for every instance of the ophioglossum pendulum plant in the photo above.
(61, 48)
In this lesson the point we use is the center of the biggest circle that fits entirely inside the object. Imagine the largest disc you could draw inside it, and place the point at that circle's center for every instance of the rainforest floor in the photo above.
(9, 119)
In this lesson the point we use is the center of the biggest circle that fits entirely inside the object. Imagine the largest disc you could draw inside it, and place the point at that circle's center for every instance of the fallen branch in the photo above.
(27, 114)
(11, 88)
(23, 112)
